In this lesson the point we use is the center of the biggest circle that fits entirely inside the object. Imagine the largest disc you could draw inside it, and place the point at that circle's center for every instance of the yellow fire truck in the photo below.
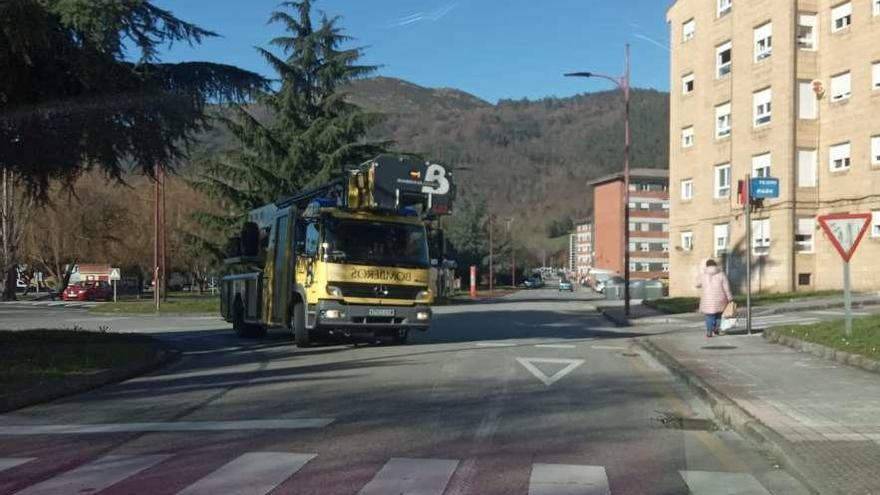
(348, 259)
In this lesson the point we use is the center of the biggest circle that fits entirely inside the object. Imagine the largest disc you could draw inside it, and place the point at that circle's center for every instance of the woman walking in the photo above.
(714, 295)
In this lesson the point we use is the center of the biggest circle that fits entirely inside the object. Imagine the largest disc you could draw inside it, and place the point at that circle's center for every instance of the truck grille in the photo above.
(378, 291)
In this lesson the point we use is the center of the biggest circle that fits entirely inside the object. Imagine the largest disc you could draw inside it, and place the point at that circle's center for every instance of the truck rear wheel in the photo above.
(300, 332)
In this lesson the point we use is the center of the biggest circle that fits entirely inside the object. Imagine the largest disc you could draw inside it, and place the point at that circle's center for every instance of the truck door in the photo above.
(281, 269)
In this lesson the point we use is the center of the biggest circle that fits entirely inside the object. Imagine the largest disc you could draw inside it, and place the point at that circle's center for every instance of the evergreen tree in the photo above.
(313, 130)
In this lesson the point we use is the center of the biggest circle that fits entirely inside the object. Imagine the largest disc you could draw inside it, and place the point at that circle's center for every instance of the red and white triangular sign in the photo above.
(845, 231)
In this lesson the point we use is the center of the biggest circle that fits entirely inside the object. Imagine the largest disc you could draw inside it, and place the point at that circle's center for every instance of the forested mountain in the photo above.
(529, 159)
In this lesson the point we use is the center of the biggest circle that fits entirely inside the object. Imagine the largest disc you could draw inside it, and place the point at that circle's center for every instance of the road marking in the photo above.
(95, 476)
(11, 462)
(494, 344)
(719, 483)
(608, 347)
(568, 479)
(254, 473)
(264, 424)
(411, 477)
(529, 364)
(556, 346)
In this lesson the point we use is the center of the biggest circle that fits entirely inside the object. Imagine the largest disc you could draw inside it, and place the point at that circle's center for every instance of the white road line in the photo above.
(264, 424)
(494, 344)
(568, 479)
(254, 473)
(608, 347)
(11, 462)
(95, 476)
(556, 346)
(719, 483)
(529, 364)
(401, 476)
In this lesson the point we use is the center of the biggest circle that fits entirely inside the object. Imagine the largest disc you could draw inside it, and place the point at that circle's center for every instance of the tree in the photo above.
(466, 233)
(313, 130)
(71, 100)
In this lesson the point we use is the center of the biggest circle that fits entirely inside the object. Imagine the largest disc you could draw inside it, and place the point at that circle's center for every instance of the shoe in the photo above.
(717, 333)
(708, 335)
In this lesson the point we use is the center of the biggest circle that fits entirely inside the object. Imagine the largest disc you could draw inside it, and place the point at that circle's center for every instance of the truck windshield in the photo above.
(377, 243)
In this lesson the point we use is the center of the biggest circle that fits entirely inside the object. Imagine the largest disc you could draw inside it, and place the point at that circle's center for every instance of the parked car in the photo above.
(88, 291)
(566, 284)
(534, 283)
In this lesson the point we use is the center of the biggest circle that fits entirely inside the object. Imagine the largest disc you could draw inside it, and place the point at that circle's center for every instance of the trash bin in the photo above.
(614, 288)
(653, 289)
(637, 289)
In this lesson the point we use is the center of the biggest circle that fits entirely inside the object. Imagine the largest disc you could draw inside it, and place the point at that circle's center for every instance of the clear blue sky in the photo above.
(491, 48)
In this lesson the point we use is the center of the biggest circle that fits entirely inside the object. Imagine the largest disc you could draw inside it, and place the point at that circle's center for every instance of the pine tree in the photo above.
(313, 130)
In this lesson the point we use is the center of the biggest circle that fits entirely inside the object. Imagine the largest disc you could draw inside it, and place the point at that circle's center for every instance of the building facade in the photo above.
(648, 223)
(572, 252)
(583, 247)
(787, 89)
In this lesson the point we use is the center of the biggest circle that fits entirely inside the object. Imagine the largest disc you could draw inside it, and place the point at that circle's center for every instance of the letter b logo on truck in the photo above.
(436, 174)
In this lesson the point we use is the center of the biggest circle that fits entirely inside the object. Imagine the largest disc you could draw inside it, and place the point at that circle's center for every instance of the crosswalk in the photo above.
(52, 304)
(259, 473)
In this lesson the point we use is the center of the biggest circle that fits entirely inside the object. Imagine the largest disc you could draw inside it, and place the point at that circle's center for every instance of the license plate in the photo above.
(381, 312)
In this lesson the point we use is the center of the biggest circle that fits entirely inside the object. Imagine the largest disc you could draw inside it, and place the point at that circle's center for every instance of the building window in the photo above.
(723, 59)
(841, 17)
(875, 150)
(645, 247)
(761, 165)
(806, 31)
(687, 189)
(875, 224)
(687, 240)
(722, 120)
(722, 181)
(664, 227)
(632, 246)
(665, 247)
(763, 107)
(805, 279)
(644, 206)
(876, 7)
(839, 157)
(645, 227)
(724, 7)
(722, 235)
(665, 267)
(841, 85)
(632, 226)
(763, 41)
(806, 168)
(687, 84)
(632, 205)
(687, 137)
(645, 267)
(803, 238)
(632, 267)
(875, 74)
(664, 206)
(688, 30)
(806, 100)
(761, 237)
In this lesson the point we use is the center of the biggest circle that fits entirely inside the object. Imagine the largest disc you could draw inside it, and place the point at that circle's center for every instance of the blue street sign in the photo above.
(764, 187)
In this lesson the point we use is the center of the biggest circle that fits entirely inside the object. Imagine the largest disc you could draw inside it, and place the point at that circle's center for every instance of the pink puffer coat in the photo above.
(714, 290)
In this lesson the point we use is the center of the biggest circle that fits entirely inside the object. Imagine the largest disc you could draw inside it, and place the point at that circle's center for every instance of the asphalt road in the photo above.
(533, 394)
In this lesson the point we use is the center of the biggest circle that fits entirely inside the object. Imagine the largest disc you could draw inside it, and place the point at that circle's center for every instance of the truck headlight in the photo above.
(334, 291)
(423, 295)
(423, 315)
(332, 314)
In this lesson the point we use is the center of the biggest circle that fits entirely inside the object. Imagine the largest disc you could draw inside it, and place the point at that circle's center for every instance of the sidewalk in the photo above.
(822, 419)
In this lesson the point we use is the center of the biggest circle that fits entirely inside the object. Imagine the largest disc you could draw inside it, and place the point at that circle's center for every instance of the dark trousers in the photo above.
(713, 323)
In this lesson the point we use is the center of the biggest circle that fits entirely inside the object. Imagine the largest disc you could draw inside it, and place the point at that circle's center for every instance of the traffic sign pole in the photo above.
(748, 206)
(845, 231)
(847, 299)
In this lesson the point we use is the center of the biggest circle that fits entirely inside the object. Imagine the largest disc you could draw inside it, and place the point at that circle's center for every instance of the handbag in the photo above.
(728, 318)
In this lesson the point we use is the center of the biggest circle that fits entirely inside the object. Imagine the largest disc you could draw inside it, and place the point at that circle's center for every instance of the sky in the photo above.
(494, 49)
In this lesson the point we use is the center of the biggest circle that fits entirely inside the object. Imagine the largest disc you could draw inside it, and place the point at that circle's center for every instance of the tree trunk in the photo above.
(8, 261)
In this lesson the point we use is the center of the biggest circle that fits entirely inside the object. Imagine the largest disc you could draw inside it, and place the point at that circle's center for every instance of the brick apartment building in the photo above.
(583, 245)
(743, 101)
(648, 223)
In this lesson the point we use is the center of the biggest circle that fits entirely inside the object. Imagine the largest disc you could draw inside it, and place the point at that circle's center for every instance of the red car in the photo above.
(88, 291)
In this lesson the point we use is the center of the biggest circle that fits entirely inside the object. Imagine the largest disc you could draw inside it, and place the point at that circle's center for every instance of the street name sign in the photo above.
(764, 187)
(845, 231)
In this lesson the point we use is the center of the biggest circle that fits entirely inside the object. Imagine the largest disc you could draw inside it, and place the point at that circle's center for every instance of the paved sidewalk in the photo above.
(821, 418)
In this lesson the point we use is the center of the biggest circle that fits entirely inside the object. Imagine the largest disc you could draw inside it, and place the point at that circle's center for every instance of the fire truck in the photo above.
(348, 259)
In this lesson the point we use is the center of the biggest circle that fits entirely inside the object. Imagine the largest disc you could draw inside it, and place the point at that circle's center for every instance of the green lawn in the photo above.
(865, 339)
(176, 304)
(674, 305)
(51, 358)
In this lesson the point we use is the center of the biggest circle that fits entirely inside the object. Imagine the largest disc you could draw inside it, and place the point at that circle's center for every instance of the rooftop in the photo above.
(634, 174)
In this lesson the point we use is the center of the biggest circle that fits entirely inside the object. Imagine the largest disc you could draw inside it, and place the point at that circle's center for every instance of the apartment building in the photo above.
(648, 223)
(583, 232)
(787, 89)
(572, 252)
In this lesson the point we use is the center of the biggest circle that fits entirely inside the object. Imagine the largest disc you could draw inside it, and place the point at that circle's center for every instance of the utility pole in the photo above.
(512, 254)
(491, 258)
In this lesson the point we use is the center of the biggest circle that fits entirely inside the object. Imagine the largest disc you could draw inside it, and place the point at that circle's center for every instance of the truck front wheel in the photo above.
(300, 332)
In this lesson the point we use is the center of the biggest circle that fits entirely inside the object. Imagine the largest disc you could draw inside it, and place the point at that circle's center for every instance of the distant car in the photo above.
(534, 283)
(566, 285)
(88, 291)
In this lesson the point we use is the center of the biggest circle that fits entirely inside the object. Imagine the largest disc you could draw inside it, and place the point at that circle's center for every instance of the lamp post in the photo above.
(512, 254)
(622, 82)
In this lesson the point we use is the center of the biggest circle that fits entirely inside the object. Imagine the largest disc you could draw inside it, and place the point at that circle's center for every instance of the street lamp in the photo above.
(622, 82)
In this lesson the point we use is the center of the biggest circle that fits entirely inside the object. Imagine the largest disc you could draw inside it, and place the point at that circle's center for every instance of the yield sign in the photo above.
(845, 231)
(569, 366)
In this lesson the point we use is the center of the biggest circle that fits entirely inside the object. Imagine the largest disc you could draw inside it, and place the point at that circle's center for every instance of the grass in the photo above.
(865, 338)
(176, 304)
(50, 358)
(674, 305)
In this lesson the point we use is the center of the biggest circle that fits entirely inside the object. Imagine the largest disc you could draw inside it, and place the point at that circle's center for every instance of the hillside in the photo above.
(530, 159)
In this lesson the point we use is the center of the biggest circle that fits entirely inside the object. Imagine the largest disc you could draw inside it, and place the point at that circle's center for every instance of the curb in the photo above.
(740, 420)
(620, 321)
(822, 351)
(826, 305)
(91, 382)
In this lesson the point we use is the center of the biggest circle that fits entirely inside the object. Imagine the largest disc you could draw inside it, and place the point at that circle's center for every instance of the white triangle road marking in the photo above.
(529, 364)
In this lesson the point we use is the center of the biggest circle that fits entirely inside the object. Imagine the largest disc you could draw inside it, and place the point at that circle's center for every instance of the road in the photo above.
(530, 394)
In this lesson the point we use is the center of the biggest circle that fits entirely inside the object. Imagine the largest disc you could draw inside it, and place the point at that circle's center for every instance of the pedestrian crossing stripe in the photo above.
(259, 473)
